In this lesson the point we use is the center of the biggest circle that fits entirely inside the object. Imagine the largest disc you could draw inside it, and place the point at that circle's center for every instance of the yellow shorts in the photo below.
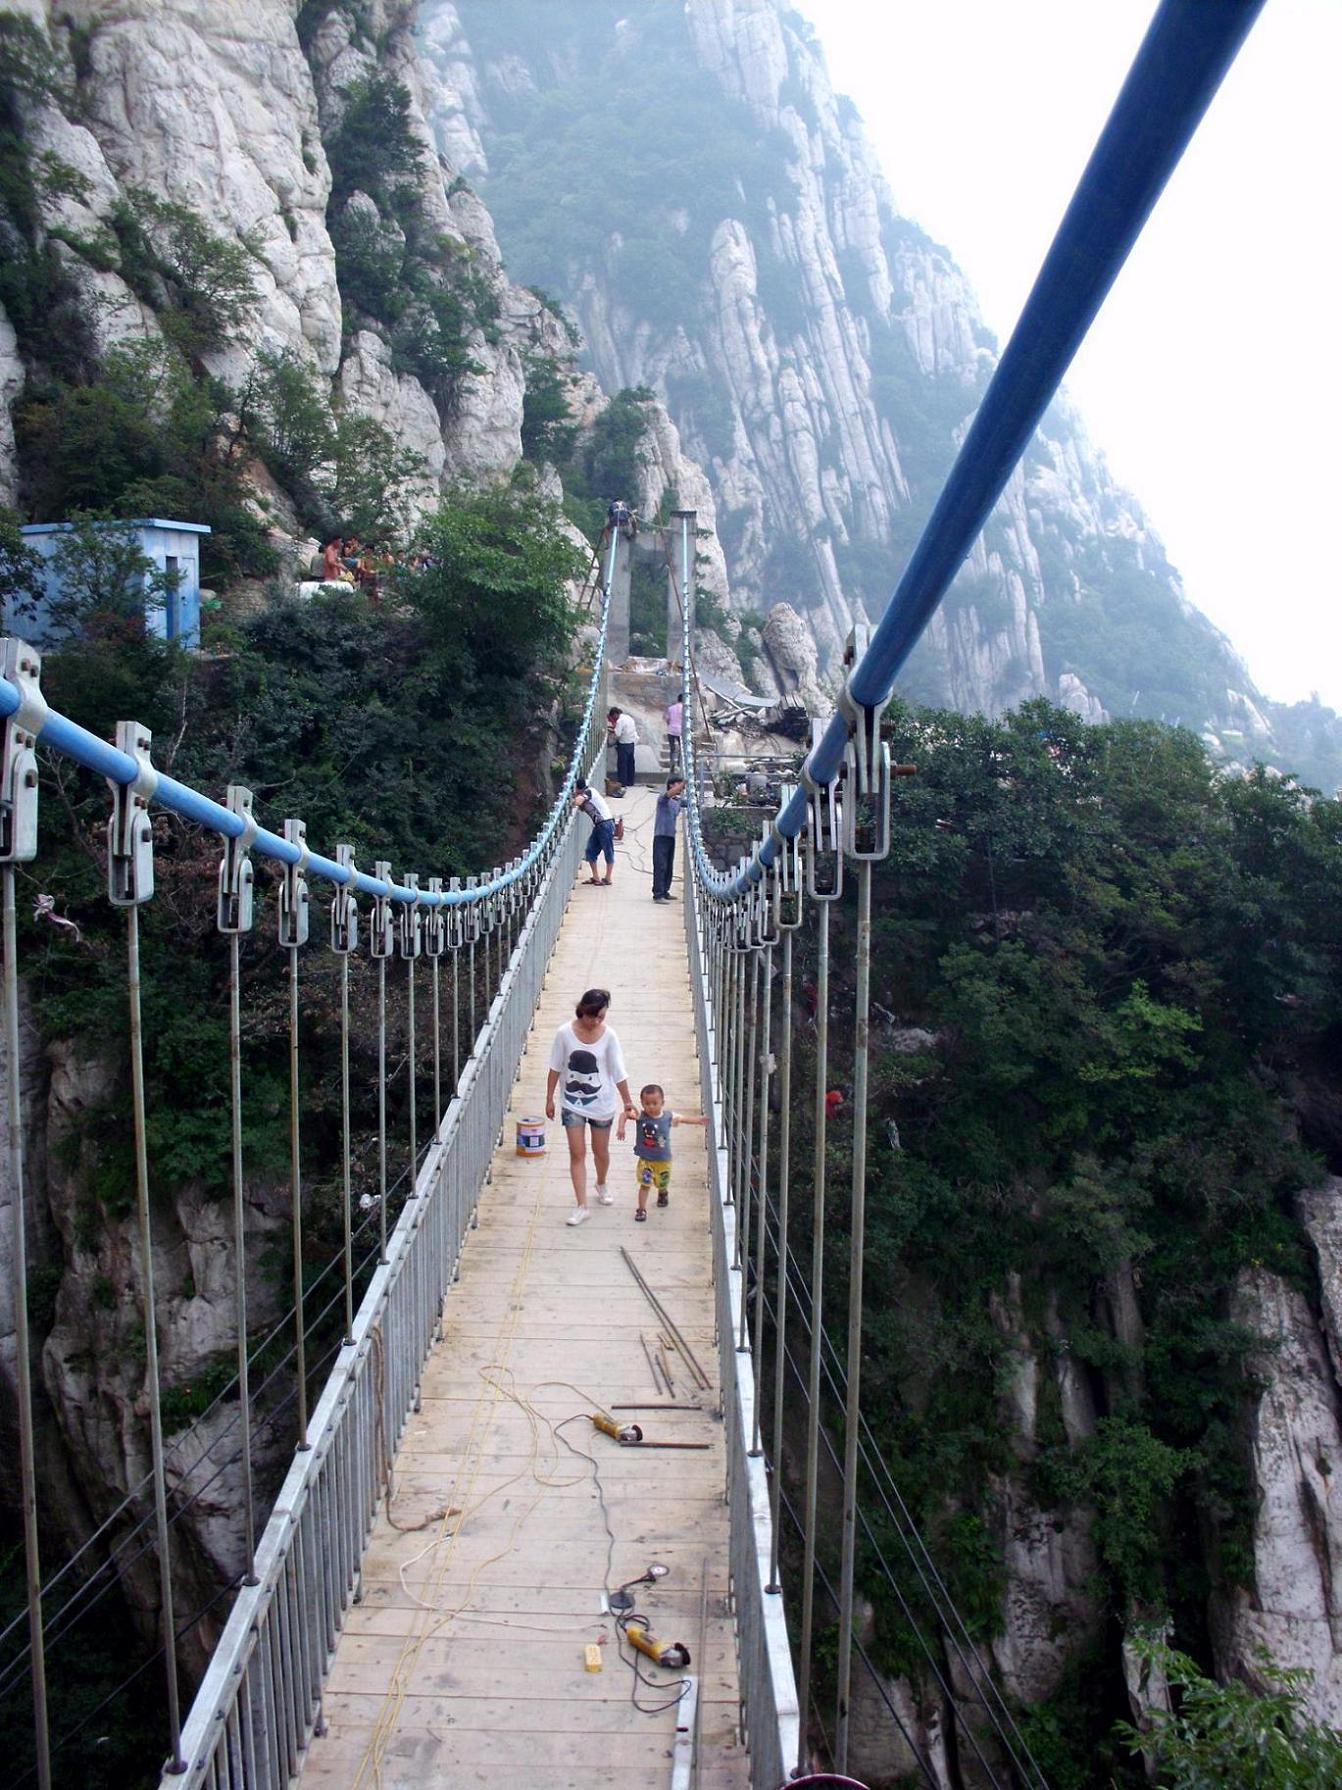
(656, 1175)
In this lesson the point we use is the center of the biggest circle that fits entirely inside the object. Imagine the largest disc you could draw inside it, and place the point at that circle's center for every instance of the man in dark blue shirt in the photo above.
(669, 806)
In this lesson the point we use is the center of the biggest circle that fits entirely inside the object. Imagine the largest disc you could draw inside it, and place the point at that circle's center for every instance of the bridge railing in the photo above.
(260, 1699)
(261, 1696)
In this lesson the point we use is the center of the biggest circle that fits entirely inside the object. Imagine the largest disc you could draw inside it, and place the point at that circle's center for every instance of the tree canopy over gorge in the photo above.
(1126, 982)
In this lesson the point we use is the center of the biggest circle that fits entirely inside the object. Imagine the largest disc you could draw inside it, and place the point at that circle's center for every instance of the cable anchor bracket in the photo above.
(130, 831)
(236, 895)
(345, 907)
(382, 922)
(22, 665)
(788, 872)
(824, 831)
(410, 921)
(294, 905)
(866, 768)
(435, 920)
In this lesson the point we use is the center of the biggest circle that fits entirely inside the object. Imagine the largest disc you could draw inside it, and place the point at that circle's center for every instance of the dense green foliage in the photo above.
(1129, 979)
(1224, 1736)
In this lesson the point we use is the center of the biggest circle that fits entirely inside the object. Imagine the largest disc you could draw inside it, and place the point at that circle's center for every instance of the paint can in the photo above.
(531, 1137)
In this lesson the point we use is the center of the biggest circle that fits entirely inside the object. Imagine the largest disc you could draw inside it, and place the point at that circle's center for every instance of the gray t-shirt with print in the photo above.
(652, 1141)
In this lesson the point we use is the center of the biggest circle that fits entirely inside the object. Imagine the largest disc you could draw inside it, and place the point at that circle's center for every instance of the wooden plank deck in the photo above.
(463, 1665)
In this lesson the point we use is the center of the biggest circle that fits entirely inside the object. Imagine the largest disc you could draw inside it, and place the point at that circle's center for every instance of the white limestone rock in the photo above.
(213, 107)
(1294, 1609)
(11, 389)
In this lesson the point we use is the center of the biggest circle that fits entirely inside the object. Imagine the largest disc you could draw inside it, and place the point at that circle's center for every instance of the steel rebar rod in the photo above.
(762, 1192)
(780, 1299)
(22, 1351)
(178, 1764)
(817, 1313)
(856, 1247)
(296, 1207)
(382, 1109)
(410, 1025)
(747, 1143)
(346, 1179)
(240, 1251)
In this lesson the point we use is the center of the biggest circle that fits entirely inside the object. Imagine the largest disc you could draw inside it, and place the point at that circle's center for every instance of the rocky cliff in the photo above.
(182, 198)
(744, 258)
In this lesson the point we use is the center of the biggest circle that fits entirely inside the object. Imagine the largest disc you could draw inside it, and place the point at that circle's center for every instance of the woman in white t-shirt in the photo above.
(586, 1056)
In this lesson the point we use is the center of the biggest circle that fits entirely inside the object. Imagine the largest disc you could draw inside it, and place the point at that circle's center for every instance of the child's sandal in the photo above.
(640, 1215)
(663, 1199)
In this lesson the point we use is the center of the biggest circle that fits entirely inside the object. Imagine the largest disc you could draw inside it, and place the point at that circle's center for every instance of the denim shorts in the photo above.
(601, 842)
(575, 1121)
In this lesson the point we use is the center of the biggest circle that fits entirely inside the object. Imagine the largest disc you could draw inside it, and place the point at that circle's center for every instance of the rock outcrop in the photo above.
(822, 358)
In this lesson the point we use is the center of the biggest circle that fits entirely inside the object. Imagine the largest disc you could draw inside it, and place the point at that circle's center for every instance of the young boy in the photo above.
(652, 1146)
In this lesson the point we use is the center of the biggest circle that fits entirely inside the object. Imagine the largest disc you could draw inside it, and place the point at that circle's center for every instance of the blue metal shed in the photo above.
(173, 547)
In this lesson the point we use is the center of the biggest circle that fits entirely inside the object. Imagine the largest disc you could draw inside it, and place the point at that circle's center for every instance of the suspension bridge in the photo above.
(464, 1578)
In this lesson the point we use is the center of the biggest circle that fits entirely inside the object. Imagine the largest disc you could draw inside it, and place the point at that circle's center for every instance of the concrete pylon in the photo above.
(617, 629)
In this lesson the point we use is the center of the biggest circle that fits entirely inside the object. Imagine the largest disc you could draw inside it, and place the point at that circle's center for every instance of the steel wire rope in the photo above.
(876, 1678)
(938, 1671)
(1172, 81)
(969, 1662)
(233, 1584)
(117, 1564)
(179, 1635)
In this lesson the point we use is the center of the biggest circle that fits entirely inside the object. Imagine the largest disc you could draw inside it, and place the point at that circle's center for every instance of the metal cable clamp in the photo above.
(787, 882)
(435, 921)
(344, 907)
(382, 922)
(235, 909)
(294, 906)
(22, 665)
(456, 918)
(824, 832)
(766, 901)
(866, 765)
(409, 920)
(130, 831)
(470, 915)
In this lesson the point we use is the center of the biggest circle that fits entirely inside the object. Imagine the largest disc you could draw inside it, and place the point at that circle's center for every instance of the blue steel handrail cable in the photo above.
(1178, 68)
(133, 771)
(1173, 79)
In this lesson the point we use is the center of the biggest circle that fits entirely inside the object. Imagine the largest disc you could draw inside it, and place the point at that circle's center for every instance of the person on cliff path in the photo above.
(652, 1146)
(620, 728)
(602, 840)
(587, 1058)
(669, 805)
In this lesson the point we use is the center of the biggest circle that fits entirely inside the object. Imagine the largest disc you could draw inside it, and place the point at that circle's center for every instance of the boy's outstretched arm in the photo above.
(689, 1119)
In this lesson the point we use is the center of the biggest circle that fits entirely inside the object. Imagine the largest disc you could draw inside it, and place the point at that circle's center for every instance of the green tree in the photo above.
(1226, 1736)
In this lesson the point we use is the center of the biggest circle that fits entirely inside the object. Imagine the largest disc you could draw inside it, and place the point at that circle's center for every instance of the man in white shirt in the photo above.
(602, 841)
(620, 728)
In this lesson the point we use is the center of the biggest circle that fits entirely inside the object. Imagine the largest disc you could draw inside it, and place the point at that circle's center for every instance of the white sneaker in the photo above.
(579, 1215)
(604, 1197)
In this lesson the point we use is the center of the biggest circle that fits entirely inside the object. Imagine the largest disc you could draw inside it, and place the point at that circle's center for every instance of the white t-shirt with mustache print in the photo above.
(588, 1073)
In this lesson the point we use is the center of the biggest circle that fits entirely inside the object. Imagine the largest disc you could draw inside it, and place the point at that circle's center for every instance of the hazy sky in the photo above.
(1212, 379)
